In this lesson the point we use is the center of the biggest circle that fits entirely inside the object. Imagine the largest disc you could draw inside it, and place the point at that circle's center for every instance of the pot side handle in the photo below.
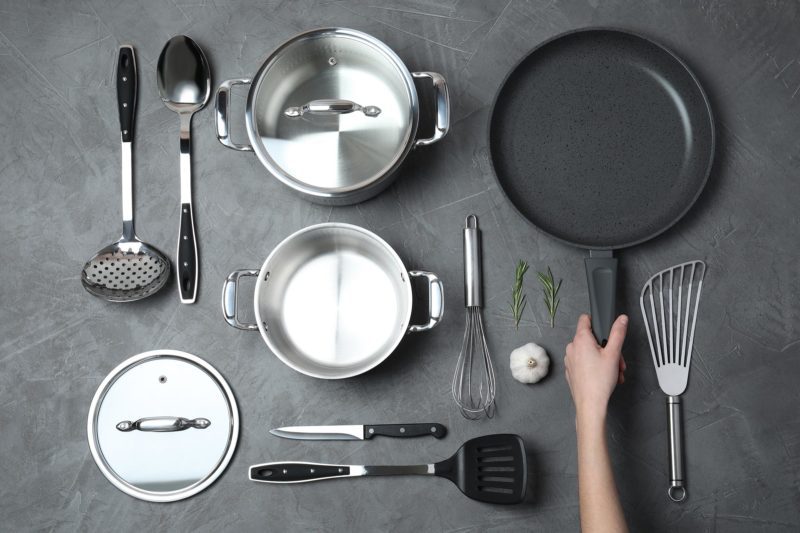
(229, 299)
(435, 300)
(442, 99)
(222, 106)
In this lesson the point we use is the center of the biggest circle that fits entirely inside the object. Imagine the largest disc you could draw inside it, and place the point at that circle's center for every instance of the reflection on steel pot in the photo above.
(333, 300)
(332, 113)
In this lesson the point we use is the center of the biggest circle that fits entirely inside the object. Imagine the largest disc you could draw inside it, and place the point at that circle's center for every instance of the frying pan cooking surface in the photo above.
(601, 138)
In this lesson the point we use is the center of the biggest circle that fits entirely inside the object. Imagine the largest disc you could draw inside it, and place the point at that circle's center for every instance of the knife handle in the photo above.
(405, 430)
(295, 472)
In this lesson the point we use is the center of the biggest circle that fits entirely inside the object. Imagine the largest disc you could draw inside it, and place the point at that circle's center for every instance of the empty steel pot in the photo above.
(333, 300)
(332, 113)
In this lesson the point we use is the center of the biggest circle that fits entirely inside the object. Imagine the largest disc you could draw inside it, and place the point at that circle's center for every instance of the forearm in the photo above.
(599, 501)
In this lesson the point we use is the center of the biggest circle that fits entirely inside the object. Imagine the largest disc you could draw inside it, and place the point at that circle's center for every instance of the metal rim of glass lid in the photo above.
(332, 112)
(163, 425)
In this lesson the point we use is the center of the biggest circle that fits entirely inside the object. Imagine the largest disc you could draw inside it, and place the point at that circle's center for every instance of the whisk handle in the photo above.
(472, 263)
(676, 491)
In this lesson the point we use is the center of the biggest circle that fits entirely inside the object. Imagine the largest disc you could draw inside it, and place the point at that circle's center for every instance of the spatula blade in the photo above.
(492, 469)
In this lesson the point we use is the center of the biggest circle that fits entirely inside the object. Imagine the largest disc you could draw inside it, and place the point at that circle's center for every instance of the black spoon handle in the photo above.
(187, 256)
(126, 91)
(405, 430)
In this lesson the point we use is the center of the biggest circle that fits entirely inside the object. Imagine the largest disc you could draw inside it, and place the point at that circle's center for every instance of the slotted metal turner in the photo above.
(491, 469)
(669, 303)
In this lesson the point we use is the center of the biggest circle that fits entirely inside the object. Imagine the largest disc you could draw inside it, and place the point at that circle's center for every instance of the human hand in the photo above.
(593, 371)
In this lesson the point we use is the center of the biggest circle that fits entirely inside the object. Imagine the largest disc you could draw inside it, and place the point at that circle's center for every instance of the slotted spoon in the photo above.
(128, 269)
(491, 469)
(669, 303)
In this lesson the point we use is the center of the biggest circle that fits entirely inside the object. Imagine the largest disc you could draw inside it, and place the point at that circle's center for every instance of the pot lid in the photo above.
(332, 111)
(163, 425)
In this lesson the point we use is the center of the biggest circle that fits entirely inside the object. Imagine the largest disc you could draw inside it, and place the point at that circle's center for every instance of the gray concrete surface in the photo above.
(59, 202)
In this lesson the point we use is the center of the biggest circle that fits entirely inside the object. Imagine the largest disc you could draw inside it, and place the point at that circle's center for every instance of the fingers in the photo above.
(584, 325)
(617, 335)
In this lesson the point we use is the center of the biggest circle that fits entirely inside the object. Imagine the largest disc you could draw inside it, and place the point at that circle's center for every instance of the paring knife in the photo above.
(359, 432)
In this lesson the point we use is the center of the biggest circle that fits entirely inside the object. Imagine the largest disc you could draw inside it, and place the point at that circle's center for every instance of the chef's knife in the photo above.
(359, 432)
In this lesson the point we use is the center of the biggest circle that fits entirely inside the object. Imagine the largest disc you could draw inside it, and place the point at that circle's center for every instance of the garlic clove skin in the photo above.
(529, 363)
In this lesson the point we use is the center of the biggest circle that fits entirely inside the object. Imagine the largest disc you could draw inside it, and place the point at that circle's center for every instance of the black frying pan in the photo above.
(602, 139)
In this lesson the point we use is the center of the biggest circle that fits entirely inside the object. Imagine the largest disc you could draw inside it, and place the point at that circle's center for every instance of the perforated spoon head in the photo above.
(125, 271)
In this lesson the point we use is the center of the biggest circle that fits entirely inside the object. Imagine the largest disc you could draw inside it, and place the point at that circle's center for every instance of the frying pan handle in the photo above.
(222, 105)
(435, 300)
(601, 275)
(442, 99)
(229, 299)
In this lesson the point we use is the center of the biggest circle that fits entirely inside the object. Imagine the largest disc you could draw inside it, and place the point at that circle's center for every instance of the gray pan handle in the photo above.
(601, 275)
(677, 490)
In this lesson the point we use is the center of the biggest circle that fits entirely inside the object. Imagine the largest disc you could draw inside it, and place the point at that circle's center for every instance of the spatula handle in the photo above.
(677, 490)
(297, 472)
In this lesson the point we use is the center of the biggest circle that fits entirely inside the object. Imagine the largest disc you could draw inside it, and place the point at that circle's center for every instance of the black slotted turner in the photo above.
(492, 469)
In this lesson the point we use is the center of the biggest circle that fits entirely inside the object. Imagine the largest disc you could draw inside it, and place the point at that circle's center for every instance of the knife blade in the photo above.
(359, 432)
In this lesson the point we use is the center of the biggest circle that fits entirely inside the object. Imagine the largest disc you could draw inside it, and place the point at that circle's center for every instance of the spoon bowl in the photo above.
(184, 76)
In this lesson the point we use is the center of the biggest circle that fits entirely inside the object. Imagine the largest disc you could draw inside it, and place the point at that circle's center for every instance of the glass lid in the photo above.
(163, 425)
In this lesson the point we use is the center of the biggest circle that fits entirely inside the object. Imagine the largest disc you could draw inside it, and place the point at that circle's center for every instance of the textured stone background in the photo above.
(59, 202)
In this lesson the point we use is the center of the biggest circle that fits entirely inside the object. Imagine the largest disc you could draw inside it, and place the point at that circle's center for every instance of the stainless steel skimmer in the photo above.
(669, 303)
(128, 269)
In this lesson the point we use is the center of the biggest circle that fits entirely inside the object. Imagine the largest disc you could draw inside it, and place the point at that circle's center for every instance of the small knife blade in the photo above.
(359, 432)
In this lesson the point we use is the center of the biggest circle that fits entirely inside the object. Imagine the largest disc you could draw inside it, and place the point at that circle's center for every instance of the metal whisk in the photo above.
(474, 381)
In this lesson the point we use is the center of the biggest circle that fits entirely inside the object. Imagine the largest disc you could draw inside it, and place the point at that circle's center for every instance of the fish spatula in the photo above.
(491, 469)
(669, 303)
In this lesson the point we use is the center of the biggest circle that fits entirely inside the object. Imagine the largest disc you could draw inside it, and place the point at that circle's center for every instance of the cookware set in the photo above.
(601, 138)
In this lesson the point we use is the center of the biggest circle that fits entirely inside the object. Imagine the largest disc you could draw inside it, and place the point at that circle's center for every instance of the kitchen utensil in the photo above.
(163, 425)
(474, 381)
(602, 139)
(128, 269)
(491, 469)
(333, 300)
(184, 84)
(359, 432)
(669, 303)
(332, 113)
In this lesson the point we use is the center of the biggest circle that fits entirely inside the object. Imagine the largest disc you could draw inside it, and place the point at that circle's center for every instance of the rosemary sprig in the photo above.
(550, 290)
(518, 298)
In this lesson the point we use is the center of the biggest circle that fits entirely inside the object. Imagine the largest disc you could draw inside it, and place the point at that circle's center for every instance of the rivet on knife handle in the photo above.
(405, 430)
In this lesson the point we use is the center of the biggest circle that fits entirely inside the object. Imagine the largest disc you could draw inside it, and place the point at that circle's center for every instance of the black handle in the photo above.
(126, 91)
(187, 256)
(292, 472)
(601, 274)
(405, 430)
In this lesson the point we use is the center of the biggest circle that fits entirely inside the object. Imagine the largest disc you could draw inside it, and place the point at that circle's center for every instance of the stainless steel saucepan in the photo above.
(332, 113)
(333, 300)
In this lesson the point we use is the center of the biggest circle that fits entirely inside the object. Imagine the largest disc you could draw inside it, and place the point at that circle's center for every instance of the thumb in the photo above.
(617, 335)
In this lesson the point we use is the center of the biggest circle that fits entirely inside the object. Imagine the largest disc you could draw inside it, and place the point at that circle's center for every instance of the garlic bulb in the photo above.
(529, 363)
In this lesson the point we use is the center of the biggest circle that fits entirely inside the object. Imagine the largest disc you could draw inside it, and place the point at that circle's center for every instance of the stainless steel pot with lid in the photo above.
(333, 300)
(163, 425)
(332, 113)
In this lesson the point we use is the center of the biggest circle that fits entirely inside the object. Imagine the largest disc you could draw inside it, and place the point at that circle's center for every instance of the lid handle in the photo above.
(331, 107)
(164, 423)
